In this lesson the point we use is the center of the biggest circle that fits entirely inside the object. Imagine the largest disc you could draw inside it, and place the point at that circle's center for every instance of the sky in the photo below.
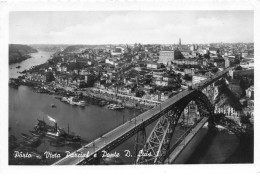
(128, 27)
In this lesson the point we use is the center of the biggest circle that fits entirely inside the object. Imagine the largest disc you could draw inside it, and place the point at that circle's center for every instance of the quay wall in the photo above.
(128, 101)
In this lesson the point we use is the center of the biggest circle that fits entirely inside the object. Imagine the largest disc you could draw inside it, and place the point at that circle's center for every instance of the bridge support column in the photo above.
(140, 141)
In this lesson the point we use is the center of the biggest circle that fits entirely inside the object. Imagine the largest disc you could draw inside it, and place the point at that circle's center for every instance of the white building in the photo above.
(198, 78)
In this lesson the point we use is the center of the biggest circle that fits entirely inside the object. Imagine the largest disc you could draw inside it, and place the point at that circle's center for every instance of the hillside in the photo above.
(79, 48)
(74, 48)
(49, 47)
(18, 53)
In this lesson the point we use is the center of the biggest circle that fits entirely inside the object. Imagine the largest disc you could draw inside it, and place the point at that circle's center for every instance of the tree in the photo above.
(244, 119)
(139, 93)
(206, 56)
(178, 55)
(187, 77)
(238, 68)
(218, 116)
(80, 95)
(236, 61)
(49, 77)
(215, 69)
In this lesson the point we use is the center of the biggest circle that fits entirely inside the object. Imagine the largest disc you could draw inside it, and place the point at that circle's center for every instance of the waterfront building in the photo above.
(35, 76)
(89, 79)
(229, 112)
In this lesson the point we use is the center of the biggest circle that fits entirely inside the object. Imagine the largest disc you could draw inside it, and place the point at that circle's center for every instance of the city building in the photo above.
(166, 57)
(153, 65)
(198, 78)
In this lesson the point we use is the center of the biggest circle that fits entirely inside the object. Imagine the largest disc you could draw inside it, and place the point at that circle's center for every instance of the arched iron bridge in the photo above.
(158, 143)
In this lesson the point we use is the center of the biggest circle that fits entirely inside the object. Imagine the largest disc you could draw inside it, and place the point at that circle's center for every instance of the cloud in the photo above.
(123, 29)
(209, 22)
(131, 27)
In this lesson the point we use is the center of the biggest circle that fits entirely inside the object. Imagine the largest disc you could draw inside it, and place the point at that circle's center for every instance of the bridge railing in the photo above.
(107, 131)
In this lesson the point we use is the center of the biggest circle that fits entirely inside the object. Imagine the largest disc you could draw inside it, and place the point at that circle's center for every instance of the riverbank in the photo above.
(36, 59)
(19, 59)
(19, 53)
(90, 95)
(127, 101)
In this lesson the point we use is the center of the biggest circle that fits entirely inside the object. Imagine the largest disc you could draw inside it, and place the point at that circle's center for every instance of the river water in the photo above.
(25, 107)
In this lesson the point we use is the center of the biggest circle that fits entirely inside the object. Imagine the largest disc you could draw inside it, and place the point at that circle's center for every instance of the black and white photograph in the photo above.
(130, 87)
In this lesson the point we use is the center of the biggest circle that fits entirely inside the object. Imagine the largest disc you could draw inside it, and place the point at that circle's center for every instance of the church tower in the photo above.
(180, 41)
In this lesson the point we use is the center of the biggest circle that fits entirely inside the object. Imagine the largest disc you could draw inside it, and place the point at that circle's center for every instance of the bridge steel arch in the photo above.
(168, 114)
(158, 142)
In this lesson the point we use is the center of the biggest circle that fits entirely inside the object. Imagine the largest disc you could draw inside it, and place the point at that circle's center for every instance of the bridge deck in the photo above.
(100, 143)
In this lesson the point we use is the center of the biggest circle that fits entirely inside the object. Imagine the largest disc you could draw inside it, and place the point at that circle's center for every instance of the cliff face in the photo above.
(228, 96)
(18, 53)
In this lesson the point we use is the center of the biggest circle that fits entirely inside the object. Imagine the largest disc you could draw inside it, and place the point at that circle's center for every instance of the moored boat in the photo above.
(75, 101)
(102, 103)
(53, 135)
(82, 103)
(65, 99)
(53, 132)
(115, 106)
(26, 136)
(37, 134)
(33, 142)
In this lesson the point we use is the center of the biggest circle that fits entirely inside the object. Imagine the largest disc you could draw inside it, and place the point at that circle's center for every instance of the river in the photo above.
(36, 59)
(25, 107)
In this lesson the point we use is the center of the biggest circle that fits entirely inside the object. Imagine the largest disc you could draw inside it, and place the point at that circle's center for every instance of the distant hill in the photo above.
(18, 53)
(49, 47)
(75, 48)
(79, 48)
